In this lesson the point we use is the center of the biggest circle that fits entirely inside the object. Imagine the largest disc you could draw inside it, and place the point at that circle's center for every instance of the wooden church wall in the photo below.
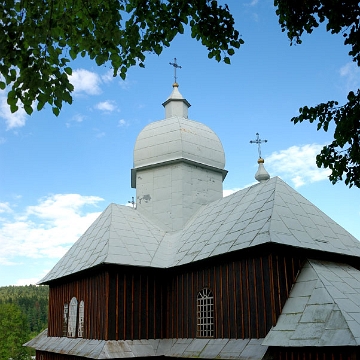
(136, 304)
(44, 355)
(93, 291)
(120, 303)
(249, 294)
(142, 303)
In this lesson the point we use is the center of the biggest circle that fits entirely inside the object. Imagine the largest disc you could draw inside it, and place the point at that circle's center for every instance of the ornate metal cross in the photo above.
(176, 66)
(258, 141)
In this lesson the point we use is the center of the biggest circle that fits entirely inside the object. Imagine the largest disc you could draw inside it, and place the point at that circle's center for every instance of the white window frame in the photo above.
(72, 319)
(65, 319)
(81, 319)
(205, 313)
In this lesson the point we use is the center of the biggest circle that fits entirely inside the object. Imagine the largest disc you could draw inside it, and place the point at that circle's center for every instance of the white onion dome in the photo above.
(261, 175)
(178, 138)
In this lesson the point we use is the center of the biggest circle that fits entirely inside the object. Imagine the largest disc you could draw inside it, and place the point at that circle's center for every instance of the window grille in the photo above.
(73, 308)
(65, 319)
(205, 313)
(81, 319)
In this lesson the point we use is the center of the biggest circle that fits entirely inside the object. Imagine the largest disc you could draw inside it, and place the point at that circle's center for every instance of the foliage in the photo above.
(342, 156)
(346, 135)
(40, 37)
(23, 315)
(14, 333)
(32, 301)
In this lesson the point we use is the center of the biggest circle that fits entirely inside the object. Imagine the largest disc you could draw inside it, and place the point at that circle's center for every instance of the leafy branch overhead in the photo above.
(342, 156)
(40, 37)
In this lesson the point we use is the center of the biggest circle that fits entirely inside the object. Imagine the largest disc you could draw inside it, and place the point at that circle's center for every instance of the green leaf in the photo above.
(73, 54)
(13, 108)
(28, 109)
(56, 111)
(226, 60)
(68, 70)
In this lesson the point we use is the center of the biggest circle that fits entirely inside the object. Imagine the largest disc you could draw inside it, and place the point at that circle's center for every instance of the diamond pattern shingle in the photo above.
(322, 309)
(266, 212)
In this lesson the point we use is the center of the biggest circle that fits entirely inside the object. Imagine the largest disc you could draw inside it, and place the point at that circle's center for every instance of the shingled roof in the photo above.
(322, 309)
(270, 211)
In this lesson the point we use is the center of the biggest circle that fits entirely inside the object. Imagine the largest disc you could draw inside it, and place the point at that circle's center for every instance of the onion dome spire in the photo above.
(261, 175)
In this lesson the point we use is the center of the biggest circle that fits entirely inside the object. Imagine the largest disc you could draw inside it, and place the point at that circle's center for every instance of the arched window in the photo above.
(81, 319)
(65, 319)
(205, 313)
(73, 308)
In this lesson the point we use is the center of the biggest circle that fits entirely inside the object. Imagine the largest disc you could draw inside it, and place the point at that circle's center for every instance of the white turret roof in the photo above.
(268, 212)
(177, 138)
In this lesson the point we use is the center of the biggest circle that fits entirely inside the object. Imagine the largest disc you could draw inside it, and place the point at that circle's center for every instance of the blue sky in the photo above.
(58, 174)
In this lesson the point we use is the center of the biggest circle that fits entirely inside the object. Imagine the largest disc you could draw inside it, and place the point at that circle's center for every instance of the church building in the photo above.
(188, 273)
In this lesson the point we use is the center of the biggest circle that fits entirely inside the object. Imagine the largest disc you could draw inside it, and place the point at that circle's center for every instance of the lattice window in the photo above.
(72, 322)
(81, 319)
(65, 319)
(205, 313)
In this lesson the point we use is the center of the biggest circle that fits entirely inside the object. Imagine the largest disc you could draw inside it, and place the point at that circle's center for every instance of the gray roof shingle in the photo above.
(323, 308)
(190, 348)
(266, 212)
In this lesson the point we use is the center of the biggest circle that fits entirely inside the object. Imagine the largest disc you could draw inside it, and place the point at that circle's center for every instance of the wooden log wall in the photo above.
(142, 303)
(44, 355)
(94, 292)
(249, 295)
(136, 304)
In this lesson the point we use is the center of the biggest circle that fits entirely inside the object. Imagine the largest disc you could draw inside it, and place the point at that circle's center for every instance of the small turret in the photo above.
(261, 175)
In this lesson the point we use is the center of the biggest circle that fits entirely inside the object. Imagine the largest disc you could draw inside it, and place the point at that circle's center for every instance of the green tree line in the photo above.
(23, 314)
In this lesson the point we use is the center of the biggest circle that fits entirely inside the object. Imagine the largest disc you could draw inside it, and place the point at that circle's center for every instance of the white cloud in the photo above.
(5, 208)
(351, 73)
(122, 122)
(107, 106)
(298, 163)
(126, 84)
(78, 118)
(85, 81)
(253, 2)
(15, 120)
(100, 135)
(48, 229)
(30, 281)
(108, 76)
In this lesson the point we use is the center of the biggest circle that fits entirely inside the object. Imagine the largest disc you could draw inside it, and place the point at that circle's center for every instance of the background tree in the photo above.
(32, 301)
(342, 156)
(14, 333)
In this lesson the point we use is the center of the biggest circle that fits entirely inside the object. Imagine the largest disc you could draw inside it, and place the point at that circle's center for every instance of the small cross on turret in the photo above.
(176, 66)
(258, 141)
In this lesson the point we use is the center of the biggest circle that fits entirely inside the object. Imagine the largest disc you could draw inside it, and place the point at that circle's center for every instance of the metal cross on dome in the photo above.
(258, 141)
(176, 66)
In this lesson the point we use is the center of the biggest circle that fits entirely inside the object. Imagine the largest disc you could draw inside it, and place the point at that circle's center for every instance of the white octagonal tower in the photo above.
(178, 165)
